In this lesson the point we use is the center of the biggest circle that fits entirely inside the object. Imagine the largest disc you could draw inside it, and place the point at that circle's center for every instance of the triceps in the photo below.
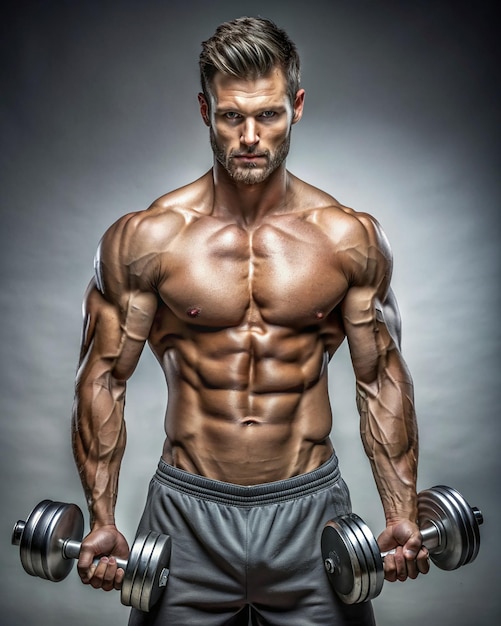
(98, 428)
(388, 313)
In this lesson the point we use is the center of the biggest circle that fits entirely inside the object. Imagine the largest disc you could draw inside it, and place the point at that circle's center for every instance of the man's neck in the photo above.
(250, 204)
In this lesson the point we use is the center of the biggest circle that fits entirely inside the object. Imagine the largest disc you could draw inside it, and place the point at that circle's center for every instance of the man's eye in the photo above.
(268, 114)
(231, 115)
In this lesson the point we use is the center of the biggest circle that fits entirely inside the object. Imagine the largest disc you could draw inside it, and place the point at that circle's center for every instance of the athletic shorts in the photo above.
(247, 555)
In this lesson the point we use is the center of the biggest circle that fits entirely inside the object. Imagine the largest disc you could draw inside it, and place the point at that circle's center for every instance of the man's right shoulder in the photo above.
(162, 220)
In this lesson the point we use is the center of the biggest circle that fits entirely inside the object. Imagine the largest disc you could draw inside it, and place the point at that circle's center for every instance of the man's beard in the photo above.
(248, 173)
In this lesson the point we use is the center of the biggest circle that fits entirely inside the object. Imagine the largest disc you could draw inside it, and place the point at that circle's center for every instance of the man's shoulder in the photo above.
(327, 211)
(163, 219)
(188, 199)
(347, 229)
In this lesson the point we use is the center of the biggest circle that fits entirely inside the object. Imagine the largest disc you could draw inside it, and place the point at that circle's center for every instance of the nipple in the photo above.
(319, 315)
(193, 311)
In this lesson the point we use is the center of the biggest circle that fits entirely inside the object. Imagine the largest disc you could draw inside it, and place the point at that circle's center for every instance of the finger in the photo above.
(400, 564)
(85, 564)
(87, 574)
(119, 576)
(390, 569)
(99, 573)
(423, 561)
(109, 575)
(412, 546)
(86, 568)
(412, 568)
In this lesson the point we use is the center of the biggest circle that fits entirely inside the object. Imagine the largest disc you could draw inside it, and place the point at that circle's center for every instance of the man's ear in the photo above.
(298, 106)
(204, 108)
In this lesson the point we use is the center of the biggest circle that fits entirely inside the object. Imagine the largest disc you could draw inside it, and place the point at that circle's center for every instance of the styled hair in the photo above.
(249, 48)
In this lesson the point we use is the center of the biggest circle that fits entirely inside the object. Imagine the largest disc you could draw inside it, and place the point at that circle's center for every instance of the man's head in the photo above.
(249, 48)
(251, 97)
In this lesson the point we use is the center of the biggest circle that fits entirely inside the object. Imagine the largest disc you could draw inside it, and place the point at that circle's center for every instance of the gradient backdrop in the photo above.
(99, 117)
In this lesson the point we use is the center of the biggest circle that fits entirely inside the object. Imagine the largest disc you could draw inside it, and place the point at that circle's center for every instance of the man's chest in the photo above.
(284, 274)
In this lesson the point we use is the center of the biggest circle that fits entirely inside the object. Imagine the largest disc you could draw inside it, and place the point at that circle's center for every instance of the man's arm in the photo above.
(385, 397)
(118, 314)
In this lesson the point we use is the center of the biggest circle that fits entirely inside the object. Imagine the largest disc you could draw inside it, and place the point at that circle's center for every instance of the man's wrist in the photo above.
(100, 516)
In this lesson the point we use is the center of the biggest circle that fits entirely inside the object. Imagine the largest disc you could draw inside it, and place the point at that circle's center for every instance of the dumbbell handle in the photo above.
(71, 550)
(432, 534)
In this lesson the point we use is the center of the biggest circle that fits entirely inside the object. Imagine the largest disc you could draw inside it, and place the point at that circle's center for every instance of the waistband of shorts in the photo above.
(237, 495)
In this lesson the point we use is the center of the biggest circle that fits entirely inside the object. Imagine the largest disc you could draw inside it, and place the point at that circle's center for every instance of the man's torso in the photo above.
(248, 317)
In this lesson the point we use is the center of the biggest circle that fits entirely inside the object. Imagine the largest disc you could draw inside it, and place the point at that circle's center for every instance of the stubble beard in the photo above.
(248, 173)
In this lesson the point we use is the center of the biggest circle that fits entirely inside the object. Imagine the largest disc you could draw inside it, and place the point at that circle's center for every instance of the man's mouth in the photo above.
(248, 157)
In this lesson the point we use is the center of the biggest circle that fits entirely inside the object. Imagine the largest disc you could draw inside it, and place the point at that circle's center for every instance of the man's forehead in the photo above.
(272, 85)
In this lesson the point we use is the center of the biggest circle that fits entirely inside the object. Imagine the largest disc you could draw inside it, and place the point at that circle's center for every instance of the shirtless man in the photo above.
(244, 284)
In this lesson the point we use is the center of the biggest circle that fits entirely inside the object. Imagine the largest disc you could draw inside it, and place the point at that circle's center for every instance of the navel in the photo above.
(249, 422)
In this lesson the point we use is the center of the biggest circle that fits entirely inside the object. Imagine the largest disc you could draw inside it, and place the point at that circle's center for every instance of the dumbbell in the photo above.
(51, 538)
(354, 562)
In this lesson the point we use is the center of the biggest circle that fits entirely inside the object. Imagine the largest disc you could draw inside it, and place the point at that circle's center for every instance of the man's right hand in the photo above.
(105, 543)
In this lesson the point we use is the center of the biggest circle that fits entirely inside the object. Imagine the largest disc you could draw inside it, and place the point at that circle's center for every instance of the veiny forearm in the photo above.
(389, 435)
(99, 438)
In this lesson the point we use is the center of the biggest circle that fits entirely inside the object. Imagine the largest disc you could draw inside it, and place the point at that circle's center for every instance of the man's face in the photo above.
(250, 124)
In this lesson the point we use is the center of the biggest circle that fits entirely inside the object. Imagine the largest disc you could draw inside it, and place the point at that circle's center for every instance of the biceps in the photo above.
(372, 345)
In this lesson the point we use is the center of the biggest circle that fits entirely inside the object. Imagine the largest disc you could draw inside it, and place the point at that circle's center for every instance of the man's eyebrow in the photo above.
(266, 107)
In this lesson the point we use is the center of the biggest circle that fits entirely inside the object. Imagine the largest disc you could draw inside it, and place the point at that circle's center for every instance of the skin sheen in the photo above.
(244, 283)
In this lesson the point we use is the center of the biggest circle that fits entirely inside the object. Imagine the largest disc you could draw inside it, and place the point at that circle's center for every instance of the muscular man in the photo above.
(244, 284)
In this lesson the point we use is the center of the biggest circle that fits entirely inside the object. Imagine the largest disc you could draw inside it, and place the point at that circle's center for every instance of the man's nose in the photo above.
(249, 135)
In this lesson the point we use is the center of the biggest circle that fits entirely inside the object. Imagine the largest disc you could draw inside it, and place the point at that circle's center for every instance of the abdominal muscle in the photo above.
(243, 412)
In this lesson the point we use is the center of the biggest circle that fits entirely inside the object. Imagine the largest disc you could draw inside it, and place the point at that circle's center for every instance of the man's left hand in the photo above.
(410, 557)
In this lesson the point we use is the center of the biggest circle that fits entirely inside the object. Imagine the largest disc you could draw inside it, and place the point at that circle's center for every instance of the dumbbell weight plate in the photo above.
(23, 535)
(445, 507)
(44, 532)
(356, 559)
(349, 528)
(364, 555)
(146, 570)
(344, 572)
(157, 572)
(373, 557)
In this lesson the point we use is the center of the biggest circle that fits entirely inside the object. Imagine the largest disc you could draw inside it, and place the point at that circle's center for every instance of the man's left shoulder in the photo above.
(357, 233)
(329, 213)
(344, 220)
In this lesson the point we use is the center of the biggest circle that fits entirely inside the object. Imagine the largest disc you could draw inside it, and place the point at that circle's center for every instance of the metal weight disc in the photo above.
(26, 540)
(348, 574)
(458, 526)
(134, 572)
(157, 572)
(47, 526)
(375, 566)
(67, 522)
(352, 532)
(344, 572)
(144, 575)
(130, 570)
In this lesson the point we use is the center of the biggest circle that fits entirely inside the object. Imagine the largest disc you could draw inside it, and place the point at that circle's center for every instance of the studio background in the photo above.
(99, 117)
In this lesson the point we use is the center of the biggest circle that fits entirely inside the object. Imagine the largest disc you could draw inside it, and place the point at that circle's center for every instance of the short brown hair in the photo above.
(249, 47)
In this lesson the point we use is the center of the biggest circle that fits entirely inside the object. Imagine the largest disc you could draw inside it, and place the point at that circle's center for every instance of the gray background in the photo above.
(99, 117)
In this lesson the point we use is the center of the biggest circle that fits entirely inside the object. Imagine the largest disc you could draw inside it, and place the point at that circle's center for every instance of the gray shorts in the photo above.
(247, 555)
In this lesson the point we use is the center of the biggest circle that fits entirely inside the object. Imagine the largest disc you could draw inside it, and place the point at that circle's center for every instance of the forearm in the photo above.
(99, 437)
(389, 435)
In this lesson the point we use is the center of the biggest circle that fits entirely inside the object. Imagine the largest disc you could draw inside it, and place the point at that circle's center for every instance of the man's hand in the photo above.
(410, 557)
(104, 543)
